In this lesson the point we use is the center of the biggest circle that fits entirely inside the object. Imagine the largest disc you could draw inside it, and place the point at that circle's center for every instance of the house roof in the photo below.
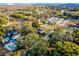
(10, 46)
(11, 36)
(5, 39)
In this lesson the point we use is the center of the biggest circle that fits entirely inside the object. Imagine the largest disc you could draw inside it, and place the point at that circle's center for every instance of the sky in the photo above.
(39, 1)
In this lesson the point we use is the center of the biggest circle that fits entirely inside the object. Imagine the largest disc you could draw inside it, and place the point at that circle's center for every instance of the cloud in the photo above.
(39, 1)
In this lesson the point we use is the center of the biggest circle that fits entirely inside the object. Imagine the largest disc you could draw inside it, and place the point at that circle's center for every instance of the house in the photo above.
(10, 37)
(10, 46)
(75, 26)
(10, 40)
(62, 11)
(9, 32)
(55, 19)
(52, 20)
(40, 31)
(62, 19)
(5, 40)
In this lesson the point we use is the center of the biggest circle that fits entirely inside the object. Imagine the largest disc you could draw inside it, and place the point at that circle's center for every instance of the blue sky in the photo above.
(39, 1)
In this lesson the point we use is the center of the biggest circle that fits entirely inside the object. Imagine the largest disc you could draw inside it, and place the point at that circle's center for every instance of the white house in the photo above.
(52, 20)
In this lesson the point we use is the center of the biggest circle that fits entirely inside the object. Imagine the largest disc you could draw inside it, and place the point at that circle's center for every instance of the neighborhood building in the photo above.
(10, 40)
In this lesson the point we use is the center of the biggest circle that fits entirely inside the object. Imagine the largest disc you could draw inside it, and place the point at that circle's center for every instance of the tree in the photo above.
(32, 38)
(33, 44)
(41, 49)
(20, 16)
(35, 25)
(28, 41)
(66, 49)
(2, 32)
(3, 19)
(27, 28)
